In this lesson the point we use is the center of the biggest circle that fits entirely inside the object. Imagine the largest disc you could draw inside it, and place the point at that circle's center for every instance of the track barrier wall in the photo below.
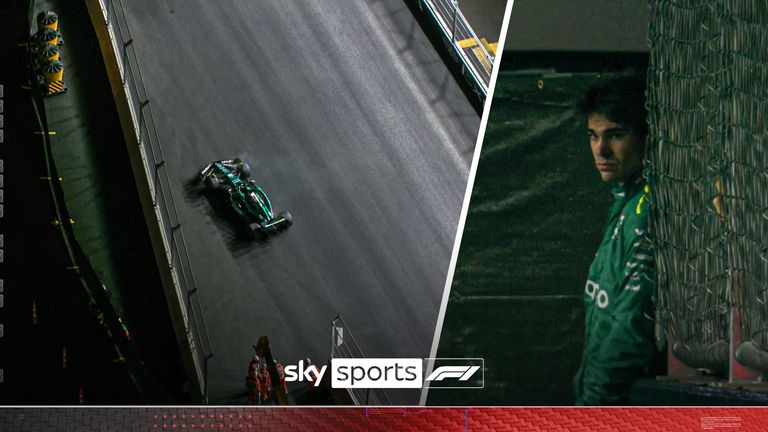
(149, 165)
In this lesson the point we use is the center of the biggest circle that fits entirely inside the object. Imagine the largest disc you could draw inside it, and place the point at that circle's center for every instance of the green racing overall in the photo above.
(618, 297)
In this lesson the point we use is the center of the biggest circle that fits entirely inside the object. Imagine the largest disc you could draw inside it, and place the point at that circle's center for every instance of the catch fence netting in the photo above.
(707, 160)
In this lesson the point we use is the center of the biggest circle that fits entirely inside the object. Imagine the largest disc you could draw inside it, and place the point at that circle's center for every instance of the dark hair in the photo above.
(620, 98)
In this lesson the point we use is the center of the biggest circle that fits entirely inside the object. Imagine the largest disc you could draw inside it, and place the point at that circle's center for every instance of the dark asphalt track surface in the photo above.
(351, 122)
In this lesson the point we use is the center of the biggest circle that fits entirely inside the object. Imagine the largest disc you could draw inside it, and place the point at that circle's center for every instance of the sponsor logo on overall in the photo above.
(599, 296)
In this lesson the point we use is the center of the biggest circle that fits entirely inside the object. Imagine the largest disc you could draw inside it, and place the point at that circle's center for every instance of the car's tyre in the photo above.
(245, 170)
(287, 216)
(211, 182)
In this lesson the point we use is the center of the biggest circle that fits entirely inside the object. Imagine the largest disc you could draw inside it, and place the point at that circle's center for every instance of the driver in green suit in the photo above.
(620, 288)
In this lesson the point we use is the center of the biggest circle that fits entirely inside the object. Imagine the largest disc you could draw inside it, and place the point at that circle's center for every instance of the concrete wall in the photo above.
(578, 25)
(128, 115)
(485, 16)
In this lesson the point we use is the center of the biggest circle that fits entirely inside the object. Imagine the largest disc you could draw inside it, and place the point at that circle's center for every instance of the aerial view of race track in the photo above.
(349, 120)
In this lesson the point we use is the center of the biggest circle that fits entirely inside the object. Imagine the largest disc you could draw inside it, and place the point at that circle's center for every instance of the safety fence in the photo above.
(160, 185)
(470, 49)
(343, 345)
(708, 164)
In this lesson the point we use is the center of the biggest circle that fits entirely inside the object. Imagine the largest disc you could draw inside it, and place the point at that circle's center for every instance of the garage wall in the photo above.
(578, 25)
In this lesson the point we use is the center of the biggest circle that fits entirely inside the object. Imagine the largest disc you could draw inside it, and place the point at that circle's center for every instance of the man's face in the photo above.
(617, 150)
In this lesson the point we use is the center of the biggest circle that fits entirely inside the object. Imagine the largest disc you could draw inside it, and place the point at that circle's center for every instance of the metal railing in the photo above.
(160, 187)
(456, 28)
(343, 345)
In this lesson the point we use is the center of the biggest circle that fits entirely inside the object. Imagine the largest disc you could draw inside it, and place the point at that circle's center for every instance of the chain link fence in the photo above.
(708, 163)
(160, 185)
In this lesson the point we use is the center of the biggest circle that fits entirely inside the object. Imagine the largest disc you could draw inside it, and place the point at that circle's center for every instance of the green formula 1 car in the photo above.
(247, 198)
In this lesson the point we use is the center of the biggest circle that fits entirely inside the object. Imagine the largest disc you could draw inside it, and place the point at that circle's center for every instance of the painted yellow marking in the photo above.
(467, 43)
(489, 46)
(55, 87)
(483, 59)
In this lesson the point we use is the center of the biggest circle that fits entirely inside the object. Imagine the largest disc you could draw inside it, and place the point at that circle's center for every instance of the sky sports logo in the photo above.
(416, 373)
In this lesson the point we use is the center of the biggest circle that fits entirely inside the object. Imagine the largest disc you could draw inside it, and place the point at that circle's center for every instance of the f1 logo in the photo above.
(463, 373)
(454, 373)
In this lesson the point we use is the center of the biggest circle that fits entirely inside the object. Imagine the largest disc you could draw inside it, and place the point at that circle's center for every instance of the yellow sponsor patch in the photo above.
(639, 209)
